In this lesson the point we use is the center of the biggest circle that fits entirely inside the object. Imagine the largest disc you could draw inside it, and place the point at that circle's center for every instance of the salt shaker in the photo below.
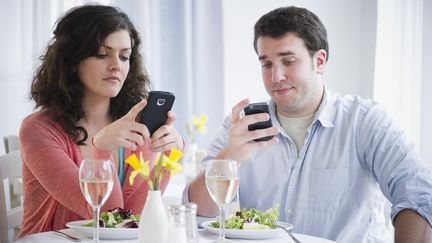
(178, 227)
(191, 223)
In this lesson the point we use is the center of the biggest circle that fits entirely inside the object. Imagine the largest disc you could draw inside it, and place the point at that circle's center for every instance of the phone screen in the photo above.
(256, 108)
(154, 115)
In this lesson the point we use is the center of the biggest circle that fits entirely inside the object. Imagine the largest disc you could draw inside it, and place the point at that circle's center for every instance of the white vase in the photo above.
(154, 224)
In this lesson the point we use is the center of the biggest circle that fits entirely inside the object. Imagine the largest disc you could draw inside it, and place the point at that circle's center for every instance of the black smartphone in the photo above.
(256, 108)
(154, 115)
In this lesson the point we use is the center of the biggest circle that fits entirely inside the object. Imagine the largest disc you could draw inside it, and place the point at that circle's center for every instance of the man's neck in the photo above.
(310, 109)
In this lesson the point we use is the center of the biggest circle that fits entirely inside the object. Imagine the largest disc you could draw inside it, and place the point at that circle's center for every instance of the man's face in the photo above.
(291, 76)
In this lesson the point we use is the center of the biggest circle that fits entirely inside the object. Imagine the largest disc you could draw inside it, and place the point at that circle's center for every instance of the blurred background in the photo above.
(201, 50)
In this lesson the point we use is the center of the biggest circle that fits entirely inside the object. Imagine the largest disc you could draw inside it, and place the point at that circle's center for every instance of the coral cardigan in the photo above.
(52, 194)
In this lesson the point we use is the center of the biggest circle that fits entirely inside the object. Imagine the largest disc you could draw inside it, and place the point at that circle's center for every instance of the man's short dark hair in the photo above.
(300, 21)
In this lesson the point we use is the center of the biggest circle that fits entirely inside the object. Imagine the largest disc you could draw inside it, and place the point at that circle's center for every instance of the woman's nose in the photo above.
(114, 63)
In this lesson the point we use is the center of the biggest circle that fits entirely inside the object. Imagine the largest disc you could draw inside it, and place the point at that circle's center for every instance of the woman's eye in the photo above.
(124, 58)
(101, 55)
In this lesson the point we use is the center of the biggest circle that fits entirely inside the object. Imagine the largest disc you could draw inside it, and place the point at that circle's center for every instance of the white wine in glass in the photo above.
(96, 181)
(222, 181)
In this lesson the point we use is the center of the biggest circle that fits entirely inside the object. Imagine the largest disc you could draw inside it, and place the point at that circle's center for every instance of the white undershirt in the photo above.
(296, 128)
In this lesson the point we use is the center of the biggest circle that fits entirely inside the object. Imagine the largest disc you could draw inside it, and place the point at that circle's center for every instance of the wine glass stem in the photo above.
(222, 224)
(96, 219)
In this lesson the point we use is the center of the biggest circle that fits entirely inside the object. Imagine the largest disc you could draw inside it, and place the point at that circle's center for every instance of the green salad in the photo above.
(252, 219)
(116, 218)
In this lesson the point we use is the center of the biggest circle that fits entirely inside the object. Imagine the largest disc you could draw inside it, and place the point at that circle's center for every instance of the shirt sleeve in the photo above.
(52, 160)
(392, 160)
(220, 140)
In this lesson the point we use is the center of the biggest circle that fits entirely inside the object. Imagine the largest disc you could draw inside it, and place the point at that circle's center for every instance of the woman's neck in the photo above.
(96, 111)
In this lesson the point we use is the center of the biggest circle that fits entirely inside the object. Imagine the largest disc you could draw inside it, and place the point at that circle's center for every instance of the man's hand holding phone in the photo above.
(241, 141)
(257, 108)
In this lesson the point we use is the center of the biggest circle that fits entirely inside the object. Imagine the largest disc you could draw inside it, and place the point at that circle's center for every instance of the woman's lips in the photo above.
(112, 79)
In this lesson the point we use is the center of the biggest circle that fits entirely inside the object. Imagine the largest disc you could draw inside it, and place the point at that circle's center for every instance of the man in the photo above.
(332, 158)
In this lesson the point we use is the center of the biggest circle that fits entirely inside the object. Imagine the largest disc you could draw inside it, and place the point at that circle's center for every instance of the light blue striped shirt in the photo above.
(353, 158)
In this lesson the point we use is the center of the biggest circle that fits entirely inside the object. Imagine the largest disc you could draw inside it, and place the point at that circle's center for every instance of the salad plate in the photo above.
(104, 233)
(248, 234)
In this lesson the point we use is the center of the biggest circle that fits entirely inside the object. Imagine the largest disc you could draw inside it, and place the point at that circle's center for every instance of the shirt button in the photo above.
(288, 212)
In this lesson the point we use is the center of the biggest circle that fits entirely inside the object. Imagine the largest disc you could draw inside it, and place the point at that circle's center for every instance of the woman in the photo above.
(90, 88)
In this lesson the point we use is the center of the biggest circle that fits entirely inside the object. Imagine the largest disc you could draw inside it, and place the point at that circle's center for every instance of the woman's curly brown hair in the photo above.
(56, 86)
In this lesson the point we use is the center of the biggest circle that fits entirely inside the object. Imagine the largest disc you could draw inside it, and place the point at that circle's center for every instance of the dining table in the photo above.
(172, 196)
(204, 237)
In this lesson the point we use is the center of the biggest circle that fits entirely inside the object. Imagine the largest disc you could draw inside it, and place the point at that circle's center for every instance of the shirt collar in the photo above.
(325, 113)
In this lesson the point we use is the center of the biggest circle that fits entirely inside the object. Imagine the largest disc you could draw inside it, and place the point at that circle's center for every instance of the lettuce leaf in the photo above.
(252, 219)
(115, 218)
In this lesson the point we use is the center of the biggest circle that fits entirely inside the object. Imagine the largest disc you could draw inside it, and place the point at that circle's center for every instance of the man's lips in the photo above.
(282, 91)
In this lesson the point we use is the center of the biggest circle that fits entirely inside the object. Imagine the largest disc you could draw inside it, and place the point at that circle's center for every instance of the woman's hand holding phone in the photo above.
(128, 133)
(166, 137)
(124, 132)
(158, 118)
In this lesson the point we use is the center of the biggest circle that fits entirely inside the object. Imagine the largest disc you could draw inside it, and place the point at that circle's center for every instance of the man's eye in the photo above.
(289, 62)
(266, 65)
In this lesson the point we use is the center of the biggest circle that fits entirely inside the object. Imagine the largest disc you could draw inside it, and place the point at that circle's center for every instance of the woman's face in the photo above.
(103, 75)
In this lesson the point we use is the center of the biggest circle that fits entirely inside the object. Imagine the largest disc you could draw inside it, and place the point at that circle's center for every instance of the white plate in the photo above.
(248, 234)
(104, 233)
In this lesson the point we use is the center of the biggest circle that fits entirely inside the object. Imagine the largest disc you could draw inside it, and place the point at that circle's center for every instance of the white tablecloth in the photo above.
(204, 237)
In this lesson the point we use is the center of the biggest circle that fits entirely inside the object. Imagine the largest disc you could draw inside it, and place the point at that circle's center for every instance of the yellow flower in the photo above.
(139, 166)
(175, 155)
(199, 123)
(163, 165)
(175, 168)
(171, 163)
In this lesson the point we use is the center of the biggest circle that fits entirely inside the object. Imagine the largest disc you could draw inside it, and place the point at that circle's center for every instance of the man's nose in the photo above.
(277, 74)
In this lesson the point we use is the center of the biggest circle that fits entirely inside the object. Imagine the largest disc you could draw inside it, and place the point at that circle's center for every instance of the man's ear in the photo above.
(320, 60)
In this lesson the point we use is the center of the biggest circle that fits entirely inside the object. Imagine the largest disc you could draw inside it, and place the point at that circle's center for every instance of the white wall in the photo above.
(426, 111)
(351, 33)
(14, 82)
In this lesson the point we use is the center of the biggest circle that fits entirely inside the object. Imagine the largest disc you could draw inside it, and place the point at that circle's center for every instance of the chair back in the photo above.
(2, 147)
(11, 218)
(11, 143)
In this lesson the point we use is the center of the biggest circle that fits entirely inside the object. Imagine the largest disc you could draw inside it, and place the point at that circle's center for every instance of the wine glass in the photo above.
(96, 182)
(222, 181)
